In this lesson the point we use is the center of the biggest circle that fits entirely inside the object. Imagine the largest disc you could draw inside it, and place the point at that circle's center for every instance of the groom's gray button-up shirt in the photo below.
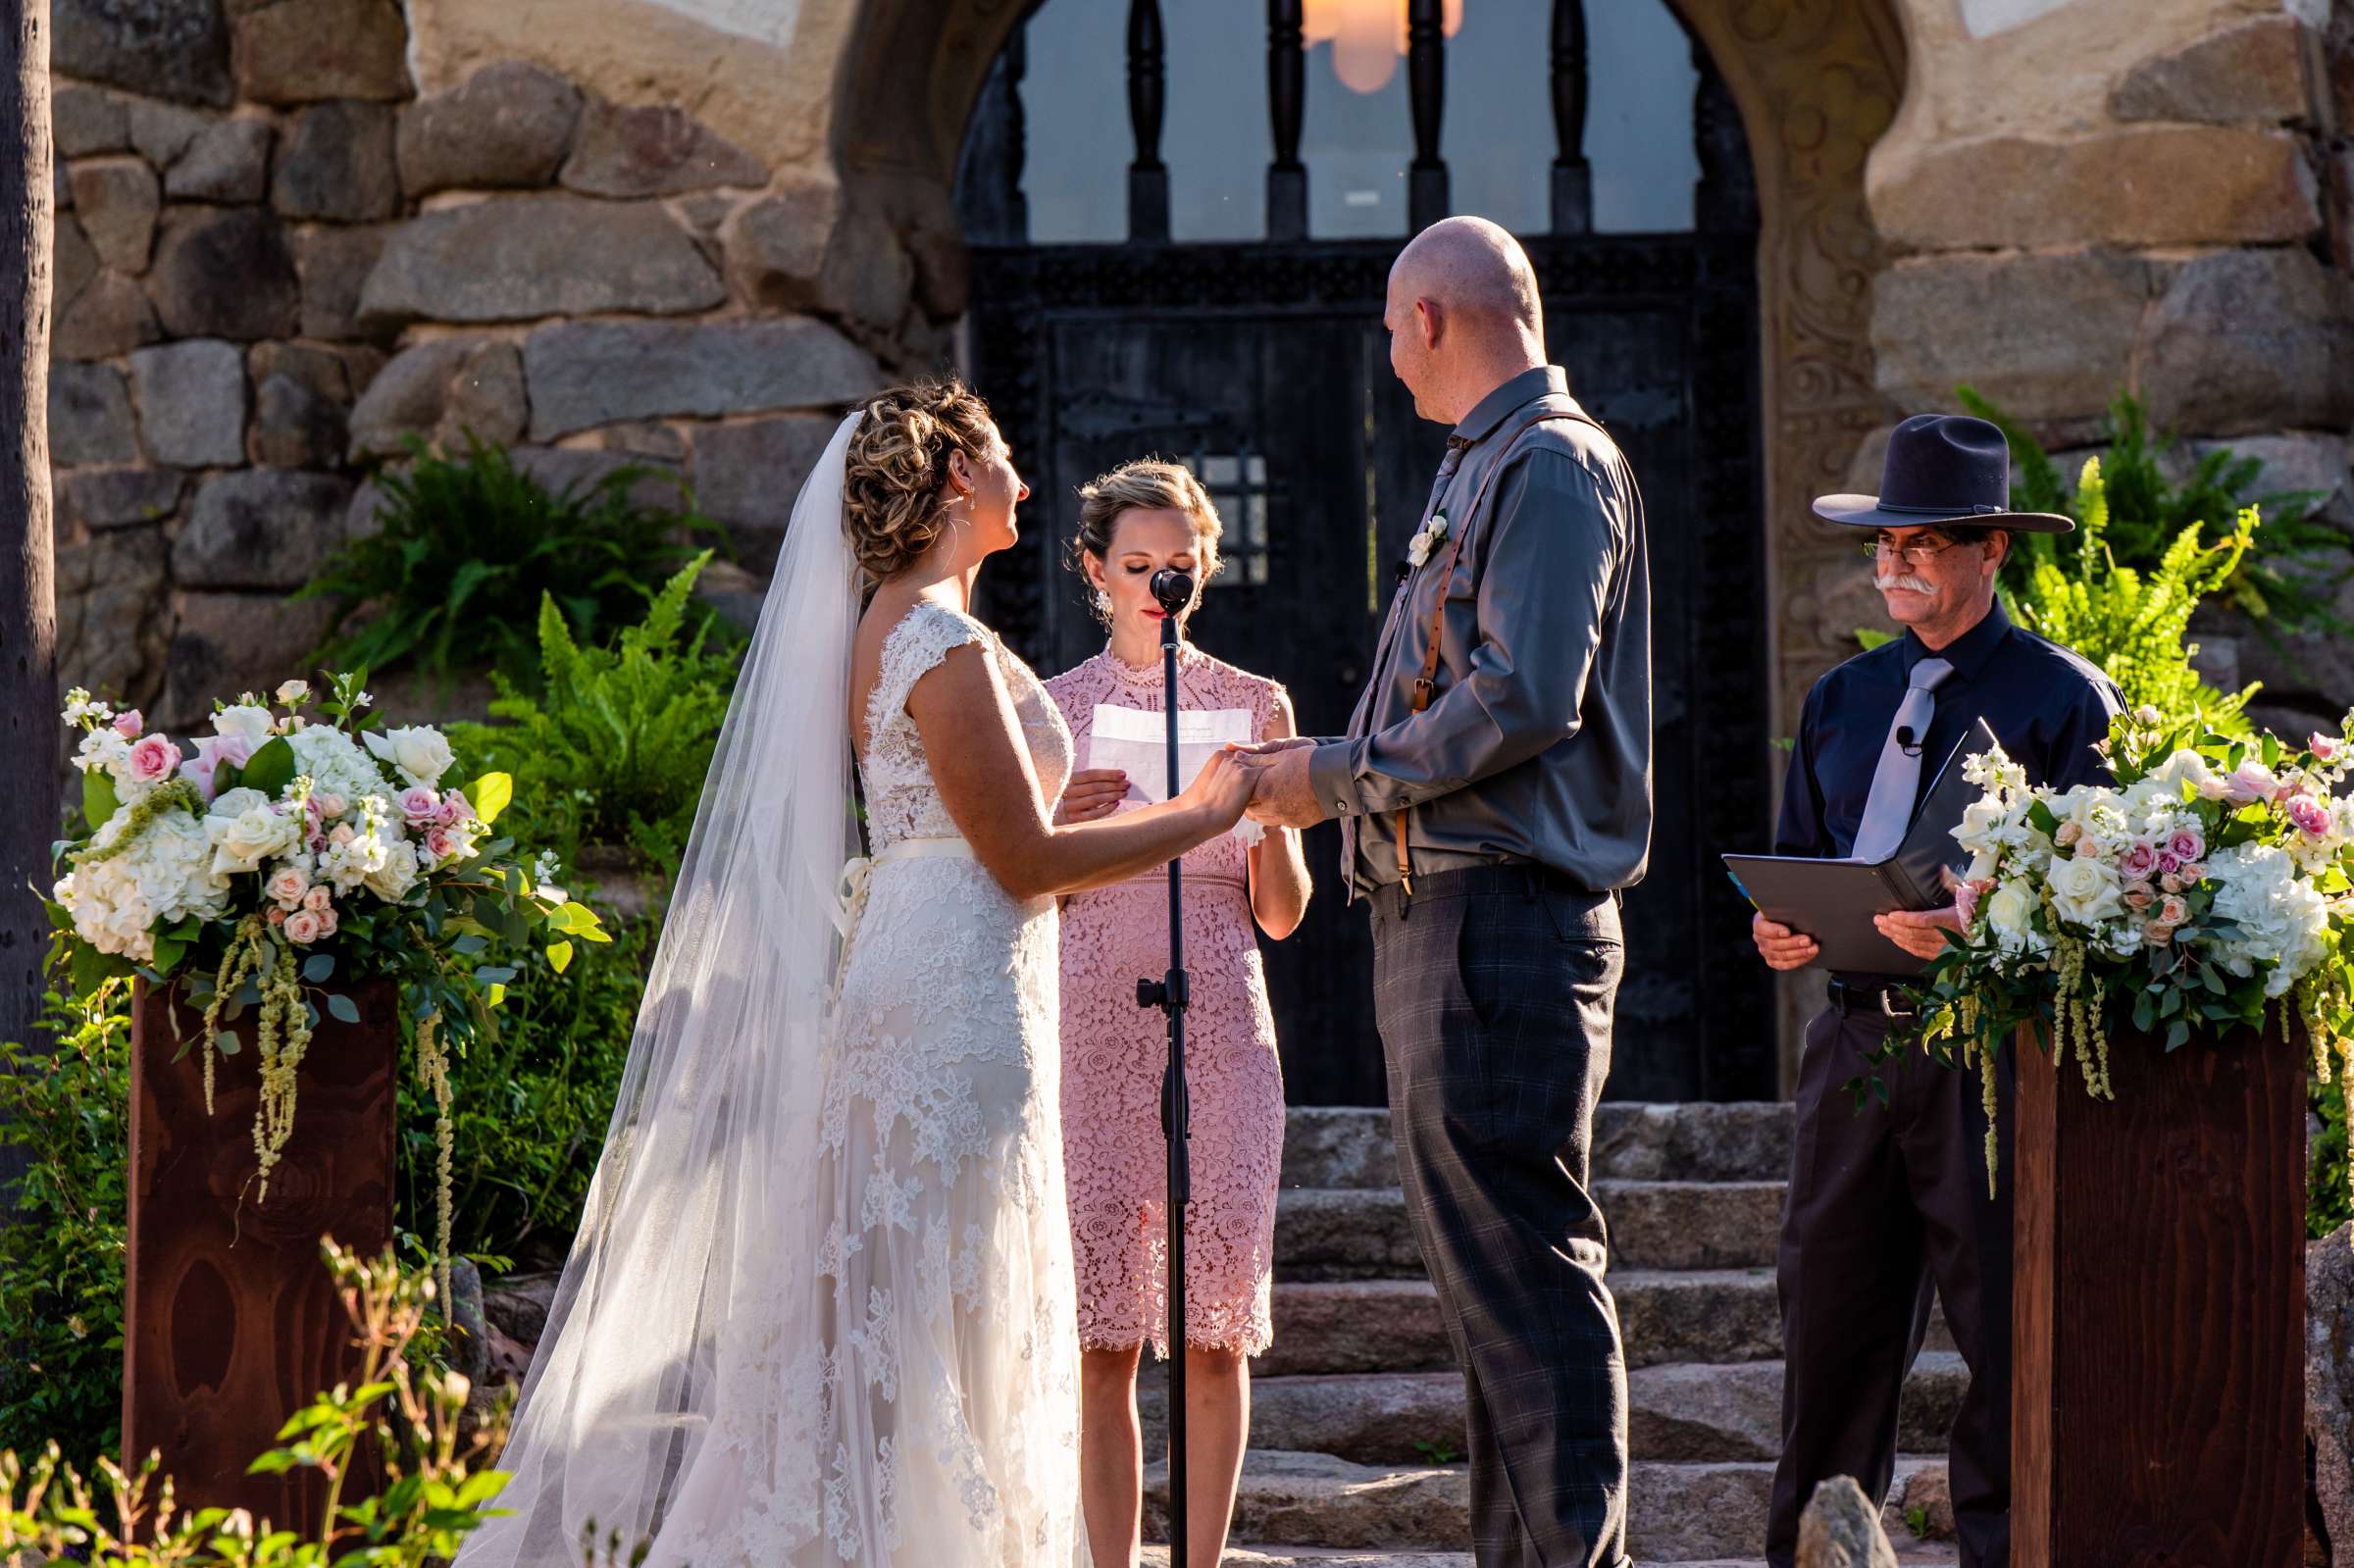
(1535, 745)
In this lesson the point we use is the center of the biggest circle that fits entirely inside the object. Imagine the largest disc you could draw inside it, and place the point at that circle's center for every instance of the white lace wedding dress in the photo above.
(819, 1310)
(943, 1383)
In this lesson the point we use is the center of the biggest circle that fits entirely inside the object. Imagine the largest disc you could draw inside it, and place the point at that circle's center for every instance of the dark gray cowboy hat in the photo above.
(1942, 469)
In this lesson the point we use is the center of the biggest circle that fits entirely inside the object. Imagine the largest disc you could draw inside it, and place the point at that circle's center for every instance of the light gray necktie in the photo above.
(1888, 811)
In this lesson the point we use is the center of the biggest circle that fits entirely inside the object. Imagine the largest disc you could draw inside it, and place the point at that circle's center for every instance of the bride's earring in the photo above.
(1103, 604)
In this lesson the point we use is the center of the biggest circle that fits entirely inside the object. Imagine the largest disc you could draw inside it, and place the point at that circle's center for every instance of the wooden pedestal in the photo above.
(2158, 1377)
(231, 1321)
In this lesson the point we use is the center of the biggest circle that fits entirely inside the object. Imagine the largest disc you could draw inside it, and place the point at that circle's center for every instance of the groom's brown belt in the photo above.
(1427, 682)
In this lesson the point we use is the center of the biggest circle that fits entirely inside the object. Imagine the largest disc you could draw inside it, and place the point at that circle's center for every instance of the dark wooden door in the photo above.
(1265, 368)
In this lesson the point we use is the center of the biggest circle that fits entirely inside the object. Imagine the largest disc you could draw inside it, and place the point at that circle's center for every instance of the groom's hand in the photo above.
(1283, 795)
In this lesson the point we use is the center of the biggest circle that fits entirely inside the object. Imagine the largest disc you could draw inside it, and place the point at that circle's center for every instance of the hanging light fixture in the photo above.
(1367, 37)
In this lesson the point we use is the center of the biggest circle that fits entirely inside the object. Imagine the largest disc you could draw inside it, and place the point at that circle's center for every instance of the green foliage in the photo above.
(529, 1105)
(432, 1499)
(2328, 1203)
(615, 750)
(467, 546)
(2132, 623)
(2288, 575)
(68, 1105)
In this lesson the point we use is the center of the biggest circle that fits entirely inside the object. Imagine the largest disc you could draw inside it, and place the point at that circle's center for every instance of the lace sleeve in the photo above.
(924, 636)
(1266, 706)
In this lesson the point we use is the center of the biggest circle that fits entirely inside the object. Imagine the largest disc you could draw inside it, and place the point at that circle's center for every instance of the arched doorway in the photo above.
(1255, 353)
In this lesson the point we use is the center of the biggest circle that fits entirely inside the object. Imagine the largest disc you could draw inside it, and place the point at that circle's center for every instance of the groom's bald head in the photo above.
(1463, 315)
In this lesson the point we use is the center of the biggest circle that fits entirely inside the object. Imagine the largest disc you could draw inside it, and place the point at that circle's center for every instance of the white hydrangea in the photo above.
(162, 878)
(337, 764)
(2280, 916)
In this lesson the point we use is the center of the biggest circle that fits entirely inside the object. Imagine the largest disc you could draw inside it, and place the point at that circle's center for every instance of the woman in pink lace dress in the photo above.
(1134, 522)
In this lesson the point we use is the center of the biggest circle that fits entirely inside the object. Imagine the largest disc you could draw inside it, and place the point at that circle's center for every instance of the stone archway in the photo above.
(1817, 81)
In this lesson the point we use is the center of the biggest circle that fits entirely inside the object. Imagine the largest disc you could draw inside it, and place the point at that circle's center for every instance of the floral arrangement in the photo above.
(2208, 882)
(255, 865)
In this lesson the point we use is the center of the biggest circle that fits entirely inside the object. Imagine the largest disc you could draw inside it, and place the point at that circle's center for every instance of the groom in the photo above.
(1494, 792)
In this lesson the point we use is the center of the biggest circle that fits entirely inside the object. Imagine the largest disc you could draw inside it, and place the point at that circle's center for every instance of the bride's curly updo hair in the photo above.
(1150, 485)
(894, 485)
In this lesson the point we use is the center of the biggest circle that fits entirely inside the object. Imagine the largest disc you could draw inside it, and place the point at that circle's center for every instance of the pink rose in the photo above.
(442, 843)
(276, 916)
(2170, 882)
(2173, 911)
(2138, 897)
(332, 805)
(2194, 874)
(342, 834)
(128, 724)
(302, 928)
(2157, 934)
(2069, 832)
(2168, 864)
(228, 751)
(2309, 814)
(1966, 901)
(2137, 862)
(326, 923)
(2250, 783)
(198, 771)
(420, 805)
(455, 808)
(2325, 748)
(318, 843)
(287, 885)
(2211, 788)
(2186, 844)
(154, 759)
(318, 900)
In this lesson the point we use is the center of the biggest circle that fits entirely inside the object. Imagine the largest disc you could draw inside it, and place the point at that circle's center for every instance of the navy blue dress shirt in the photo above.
(2046, 705)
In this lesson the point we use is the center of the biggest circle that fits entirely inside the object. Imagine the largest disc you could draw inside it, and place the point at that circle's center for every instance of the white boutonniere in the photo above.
(1434, 533)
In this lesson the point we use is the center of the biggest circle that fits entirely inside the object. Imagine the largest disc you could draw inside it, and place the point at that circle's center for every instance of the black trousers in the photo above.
(1493, 989)
(1886, 1202)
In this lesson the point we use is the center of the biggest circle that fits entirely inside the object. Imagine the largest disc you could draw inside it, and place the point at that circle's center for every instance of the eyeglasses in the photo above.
(1920, 552)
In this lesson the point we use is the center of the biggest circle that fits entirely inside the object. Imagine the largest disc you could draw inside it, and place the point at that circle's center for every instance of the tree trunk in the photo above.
(28, 727)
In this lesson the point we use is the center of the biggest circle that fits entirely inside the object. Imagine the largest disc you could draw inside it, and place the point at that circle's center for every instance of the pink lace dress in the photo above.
(1113, 1051)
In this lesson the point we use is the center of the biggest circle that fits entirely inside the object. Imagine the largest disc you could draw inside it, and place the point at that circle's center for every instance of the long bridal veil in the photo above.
(697, 1245)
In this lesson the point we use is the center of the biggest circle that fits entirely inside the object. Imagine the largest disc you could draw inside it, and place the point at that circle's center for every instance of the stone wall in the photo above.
(274, 257)
(2076, 206)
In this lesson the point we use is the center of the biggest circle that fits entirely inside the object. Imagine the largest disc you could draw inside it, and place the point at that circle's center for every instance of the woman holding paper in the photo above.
(1134, 522)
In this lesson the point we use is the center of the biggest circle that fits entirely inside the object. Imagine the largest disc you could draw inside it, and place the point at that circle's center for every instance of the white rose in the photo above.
(398, 872)
(418, 751)
(2009, 912)
(236, 802)
(246, 722)
(242, 842)
(293, 691)
(2085, 891)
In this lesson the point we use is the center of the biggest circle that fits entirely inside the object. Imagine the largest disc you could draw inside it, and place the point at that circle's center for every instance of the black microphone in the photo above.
(1173, 589)
(1905, 740)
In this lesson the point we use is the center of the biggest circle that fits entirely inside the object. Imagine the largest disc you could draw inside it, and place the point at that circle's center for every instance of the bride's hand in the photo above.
(1092, 792)
(1222, 789)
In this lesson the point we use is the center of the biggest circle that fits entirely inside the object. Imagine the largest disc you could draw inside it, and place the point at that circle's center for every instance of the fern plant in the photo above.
(619, 737)
(2286, 580)
(2131, 622)
(465, 548)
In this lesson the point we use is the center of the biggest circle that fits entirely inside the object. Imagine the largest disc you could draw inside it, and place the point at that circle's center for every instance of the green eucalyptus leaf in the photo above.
(226, 1043)
(343, 1008)
(317, 966)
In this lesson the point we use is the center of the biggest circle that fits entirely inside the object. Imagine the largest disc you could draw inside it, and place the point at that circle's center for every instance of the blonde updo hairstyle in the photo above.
(895, 482)
(1150, 485)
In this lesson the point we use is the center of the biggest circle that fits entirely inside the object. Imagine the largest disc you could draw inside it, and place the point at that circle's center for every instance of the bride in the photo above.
(820, 1309)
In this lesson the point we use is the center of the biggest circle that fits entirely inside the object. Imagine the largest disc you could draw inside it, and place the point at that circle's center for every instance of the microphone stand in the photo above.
(1172, 994)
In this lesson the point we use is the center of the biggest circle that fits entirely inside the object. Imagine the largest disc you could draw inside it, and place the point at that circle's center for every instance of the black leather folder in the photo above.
(1833, 900)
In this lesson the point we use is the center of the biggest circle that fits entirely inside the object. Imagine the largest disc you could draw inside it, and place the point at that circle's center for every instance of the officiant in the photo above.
(1891, 1200)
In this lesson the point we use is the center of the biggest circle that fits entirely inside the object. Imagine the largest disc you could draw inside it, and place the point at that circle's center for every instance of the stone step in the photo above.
(1363, 1234)
(1350, 1146)
(1665, 1315)
(1686, 1411)
(1676, 1513)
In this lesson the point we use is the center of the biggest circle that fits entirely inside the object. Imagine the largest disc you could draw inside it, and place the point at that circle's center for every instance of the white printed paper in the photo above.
(1134, 741)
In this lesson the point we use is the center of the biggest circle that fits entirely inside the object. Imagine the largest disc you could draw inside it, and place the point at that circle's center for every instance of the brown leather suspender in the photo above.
(1427, 683)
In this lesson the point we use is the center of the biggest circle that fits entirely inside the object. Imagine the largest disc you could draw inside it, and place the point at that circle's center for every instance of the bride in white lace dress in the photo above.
(821, 1308)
